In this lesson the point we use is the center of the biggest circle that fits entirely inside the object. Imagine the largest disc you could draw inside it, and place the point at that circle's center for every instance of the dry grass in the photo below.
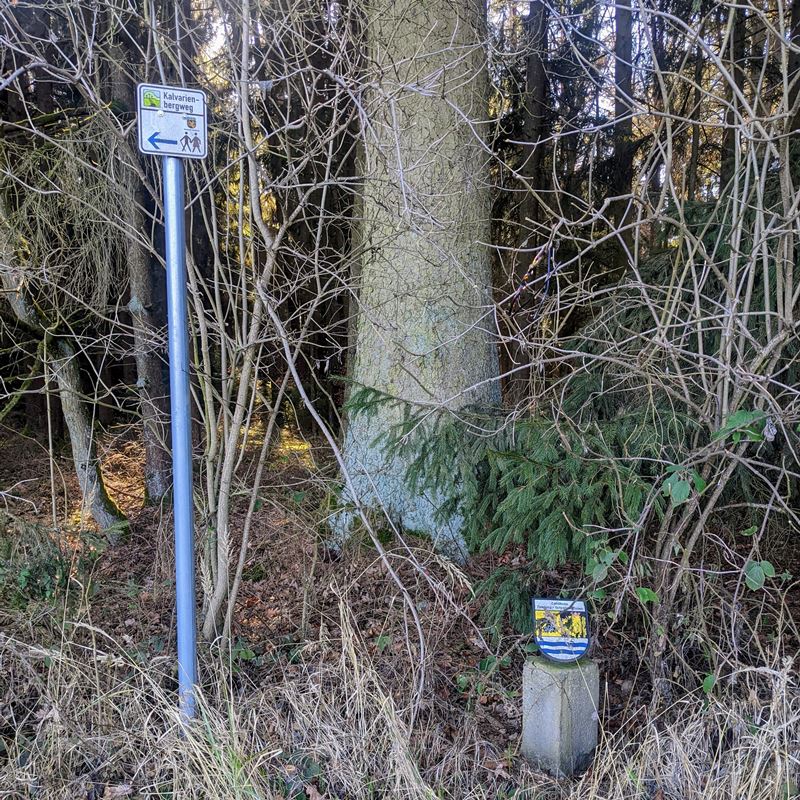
(85, 719)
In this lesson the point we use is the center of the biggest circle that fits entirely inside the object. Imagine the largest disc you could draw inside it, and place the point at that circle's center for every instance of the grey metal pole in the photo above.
(180, 409)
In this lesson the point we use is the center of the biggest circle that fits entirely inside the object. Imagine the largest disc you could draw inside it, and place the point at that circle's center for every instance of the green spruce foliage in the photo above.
(548, 491)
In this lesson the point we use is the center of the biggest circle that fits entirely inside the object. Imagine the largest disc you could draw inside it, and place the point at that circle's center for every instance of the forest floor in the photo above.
(307, 620)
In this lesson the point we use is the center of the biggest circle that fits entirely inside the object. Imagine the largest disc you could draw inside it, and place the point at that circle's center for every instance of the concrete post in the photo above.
(560, 714)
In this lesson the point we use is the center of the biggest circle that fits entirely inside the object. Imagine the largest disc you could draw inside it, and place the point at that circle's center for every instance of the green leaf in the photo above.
(749, 531)
(599, 572)
(754, 575)
(768, 569)
(382, 642)
(742, 423)
(646, 595)
(708, 683)
(680, 492)
(676, 488)
(490, 663)
(699, 484)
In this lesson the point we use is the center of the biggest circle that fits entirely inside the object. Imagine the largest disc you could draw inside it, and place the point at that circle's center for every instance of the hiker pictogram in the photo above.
(196, 144)
(185, 141)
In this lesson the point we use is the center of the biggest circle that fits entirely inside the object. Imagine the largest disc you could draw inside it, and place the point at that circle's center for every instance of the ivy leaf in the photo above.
(646, 595)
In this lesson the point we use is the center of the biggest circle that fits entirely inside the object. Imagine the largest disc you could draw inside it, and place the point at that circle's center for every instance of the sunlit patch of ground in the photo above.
(252, 435)
(42, 486)
(122, 458)
(293, 449)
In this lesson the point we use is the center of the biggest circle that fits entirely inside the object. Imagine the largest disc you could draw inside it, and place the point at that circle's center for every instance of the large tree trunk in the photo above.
(423, 325)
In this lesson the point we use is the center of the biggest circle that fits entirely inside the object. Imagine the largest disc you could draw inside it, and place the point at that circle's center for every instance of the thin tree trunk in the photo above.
(736, 42)
(149, 377)
(794, 69)
(520, 387)
(623, 124)
(534, 112)
(105, 512)
(694, 153)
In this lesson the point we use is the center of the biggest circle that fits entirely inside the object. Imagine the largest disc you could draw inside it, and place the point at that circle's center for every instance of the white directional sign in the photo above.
(172, 121)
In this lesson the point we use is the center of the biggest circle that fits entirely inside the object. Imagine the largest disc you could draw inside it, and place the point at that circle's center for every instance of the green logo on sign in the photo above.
(151, 99)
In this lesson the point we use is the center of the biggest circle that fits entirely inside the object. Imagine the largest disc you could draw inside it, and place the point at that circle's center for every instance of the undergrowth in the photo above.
(37, 567)
(81, 719)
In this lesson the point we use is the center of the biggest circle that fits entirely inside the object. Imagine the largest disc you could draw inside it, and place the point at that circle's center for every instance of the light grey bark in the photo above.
(81, 436)
(423, 332)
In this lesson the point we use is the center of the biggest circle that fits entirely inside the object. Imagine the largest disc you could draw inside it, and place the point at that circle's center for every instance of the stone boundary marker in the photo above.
(560, 714)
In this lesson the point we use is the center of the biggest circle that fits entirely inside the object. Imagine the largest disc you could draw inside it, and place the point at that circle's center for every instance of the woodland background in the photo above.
(486, 301)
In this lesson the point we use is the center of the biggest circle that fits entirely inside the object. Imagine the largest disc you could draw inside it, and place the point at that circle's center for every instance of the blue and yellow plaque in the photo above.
(561, 628)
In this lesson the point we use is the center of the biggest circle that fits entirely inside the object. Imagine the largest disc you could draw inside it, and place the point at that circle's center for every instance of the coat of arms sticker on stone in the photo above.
(561, 628)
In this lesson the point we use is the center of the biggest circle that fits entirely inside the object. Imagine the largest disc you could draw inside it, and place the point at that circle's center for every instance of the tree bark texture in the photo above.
(423, 332)
(81, 436)
(149, 377)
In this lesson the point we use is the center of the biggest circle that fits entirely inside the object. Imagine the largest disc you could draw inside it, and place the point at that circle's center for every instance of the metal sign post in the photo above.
(172, 123)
